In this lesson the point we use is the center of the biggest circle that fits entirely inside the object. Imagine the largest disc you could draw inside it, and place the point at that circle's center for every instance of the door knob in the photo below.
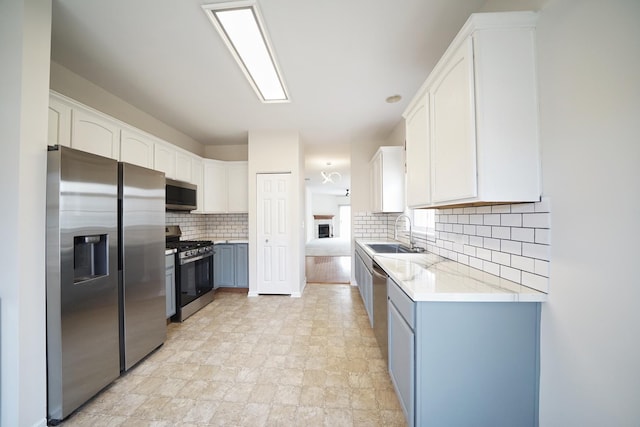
(266, 240)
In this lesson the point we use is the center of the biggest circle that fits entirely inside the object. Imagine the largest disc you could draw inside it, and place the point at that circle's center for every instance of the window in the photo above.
(423, 221)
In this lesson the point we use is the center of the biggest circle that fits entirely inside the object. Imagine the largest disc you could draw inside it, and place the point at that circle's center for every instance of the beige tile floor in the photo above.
(264, 361)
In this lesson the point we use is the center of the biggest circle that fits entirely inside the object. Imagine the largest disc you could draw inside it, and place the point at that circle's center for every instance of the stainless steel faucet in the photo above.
(395, 229)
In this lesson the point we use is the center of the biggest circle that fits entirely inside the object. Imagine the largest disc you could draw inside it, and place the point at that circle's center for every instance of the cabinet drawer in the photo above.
(405, 305)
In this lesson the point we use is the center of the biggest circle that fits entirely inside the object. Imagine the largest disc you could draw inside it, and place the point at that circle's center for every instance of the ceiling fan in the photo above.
(329, 177)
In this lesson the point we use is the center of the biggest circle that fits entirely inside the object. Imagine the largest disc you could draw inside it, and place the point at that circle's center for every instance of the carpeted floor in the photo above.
(330, 246)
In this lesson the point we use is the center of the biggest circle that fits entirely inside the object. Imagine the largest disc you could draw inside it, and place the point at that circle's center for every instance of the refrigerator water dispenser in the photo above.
(90, 257)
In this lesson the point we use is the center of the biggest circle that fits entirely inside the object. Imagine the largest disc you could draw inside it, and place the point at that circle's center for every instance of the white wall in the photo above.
(278, 152)
(589, 74)
(25, 36)
(227, 152)
(78, 88)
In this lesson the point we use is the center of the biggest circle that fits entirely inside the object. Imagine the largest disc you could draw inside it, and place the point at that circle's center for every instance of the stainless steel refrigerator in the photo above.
(92, 327)
(141, 225)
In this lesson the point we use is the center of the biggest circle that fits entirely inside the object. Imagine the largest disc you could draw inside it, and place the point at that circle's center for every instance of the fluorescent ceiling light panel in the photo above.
(240, 25)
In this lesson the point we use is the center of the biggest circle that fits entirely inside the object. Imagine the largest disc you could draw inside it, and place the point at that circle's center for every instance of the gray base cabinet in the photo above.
(231, 265)
(464, 363)
(364, 279)
(170, 284)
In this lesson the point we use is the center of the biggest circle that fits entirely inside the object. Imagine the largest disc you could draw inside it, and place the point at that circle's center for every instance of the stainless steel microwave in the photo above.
(181, 196)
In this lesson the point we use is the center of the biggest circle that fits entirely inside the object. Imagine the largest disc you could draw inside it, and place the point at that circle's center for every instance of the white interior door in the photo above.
(274, 234)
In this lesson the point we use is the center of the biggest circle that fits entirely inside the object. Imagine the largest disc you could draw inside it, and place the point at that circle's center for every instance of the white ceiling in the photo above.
(340, 59)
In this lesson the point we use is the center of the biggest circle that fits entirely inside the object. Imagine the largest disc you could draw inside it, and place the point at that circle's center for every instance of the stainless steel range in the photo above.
(194, 272)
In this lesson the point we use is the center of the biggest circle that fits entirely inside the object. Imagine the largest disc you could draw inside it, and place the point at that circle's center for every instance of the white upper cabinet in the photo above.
(215, 186)
(136, 148)
(482, 129)
(453, 147)
(225, 186)
(94, 133)
(59, 122)
(183, 166)
(164, 159)
(418, 157)
(197, 178)
(387, 180)
(238, 186)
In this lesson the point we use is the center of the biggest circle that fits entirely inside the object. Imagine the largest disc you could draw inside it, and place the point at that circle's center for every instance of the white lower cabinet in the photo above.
(170, 284)
(464, 363)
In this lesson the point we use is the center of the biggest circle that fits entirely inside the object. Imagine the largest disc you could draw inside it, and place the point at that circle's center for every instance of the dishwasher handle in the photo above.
(379, 272)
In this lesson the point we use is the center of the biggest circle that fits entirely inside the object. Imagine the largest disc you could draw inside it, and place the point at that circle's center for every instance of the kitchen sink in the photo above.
(389, 248)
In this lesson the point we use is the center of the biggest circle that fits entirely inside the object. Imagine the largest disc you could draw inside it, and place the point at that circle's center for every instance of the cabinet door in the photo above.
(402, 360)
(136, 149)
(224, 266)
(183, 167)
(215, 185)
(375, 169)
(164, 159)
(242, 265)
(197, 178)
(238, 187)
(418, 159)
(453, 129)
(95, 134)
(59, 123)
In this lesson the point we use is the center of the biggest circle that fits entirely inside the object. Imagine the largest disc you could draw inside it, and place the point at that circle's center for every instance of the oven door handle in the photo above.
(184, 261)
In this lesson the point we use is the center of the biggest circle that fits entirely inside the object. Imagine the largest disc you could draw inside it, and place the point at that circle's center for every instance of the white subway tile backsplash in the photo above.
(500, 258)
(535, 281)
(533, 250)
(541, 267)
(543, 206)
(523, 234)
(499, 209)
(510, 273)
(469, 210)
(469, 250)
(511, 220)
(492, 219)
(483, 209)
(523, 263)
(491, 268)
(475, 263)
(462, 219)
(501, 233)
(543, 236)
(470, 229)
(523, 207)
(483, 230)
(537, 220)
(493, 244)
(475, 219)
(483, 254)
(511, 247)
(476, 241)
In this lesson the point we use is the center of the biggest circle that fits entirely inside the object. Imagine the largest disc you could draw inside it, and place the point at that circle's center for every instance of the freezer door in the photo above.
(143, 324)
(82, 278)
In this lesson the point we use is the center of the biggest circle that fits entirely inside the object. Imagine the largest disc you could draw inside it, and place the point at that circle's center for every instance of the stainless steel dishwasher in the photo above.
(380, 309)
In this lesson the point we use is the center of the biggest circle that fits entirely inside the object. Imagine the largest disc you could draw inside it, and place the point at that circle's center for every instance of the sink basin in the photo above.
(389, 248)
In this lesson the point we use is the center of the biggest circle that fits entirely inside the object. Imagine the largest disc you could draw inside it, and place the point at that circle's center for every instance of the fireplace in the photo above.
(323, 226)
(324, 231)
